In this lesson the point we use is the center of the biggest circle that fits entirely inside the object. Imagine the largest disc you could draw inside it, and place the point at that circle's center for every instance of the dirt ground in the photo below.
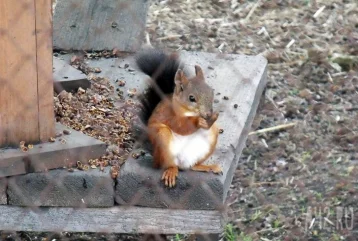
(285, 175)
(295, 183)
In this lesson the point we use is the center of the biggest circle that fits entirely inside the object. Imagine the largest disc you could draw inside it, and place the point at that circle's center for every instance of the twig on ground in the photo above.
(274, 230)
(312, 222)
(265, 143)
(265, 183)
(209, 20)
(319, 11)
(275, 128)
(328, 221)
(274, 103)
(222, 45)
(147, 38)
(248, 159)
(252, 10)
(290, 43)
(343, 108)
(172, 37)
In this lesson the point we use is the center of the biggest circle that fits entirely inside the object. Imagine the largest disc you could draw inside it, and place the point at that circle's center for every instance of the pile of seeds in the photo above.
(98, 113)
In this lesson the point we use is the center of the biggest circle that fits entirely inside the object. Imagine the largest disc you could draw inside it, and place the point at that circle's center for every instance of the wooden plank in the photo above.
(18, 96)
(4, 87)
(44, 68)
(114, 220)
(67, 77)
(100, 25)
(239, 77)
(47, 156)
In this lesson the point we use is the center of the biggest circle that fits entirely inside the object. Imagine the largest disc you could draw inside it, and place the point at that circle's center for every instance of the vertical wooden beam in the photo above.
(4, 87)
(18, 103)
(44, 68)
(23, 69)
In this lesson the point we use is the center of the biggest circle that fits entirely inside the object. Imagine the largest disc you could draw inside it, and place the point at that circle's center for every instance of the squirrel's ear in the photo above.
(199, 72)
(180, 78)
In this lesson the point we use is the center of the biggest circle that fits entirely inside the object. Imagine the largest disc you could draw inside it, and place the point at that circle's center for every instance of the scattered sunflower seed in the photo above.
(66, 132)
(24, 149)
(122, 83)
(135, 155)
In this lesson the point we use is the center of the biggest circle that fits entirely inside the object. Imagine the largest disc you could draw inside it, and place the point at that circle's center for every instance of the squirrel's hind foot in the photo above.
(169, 176)
(208, 168)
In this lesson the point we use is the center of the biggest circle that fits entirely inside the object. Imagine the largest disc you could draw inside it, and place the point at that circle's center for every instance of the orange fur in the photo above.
(165, 119)
(207, 168)
(181, 127)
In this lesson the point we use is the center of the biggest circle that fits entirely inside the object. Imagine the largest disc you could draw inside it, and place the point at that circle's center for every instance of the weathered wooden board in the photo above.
(68, 78)
(64, 152)
(26, 101)
(114, 220)
(238, 80)
(44, 68)
(18, 92)
(100, 25)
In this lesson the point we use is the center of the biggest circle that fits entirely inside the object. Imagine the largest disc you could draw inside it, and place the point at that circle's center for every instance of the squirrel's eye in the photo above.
(192, 98)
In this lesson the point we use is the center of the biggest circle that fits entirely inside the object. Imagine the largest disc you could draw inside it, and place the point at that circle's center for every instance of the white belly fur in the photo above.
(188, 150)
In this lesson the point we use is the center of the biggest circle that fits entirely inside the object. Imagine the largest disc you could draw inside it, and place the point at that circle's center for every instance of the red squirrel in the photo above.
(178, 112)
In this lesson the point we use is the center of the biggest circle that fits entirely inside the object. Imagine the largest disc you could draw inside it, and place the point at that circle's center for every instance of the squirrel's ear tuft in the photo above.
(180, 78)
(199, 72)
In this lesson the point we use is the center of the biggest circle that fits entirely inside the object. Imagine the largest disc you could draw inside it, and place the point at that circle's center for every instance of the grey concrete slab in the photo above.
(117, 69)
(139, 184)
(110, 220)
(239, 78)
(66, 150)
(67, 77)
(3, 186)
(92, 188)
(99, 25)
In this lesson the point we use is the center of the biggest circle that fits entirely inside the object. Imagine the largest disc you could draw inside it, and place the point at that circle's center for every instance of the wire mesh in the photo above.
(269, 197)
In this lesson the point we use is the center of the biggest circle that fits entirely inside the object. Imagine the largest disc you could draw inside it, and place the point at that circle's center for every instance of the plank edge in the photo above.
(127, 220)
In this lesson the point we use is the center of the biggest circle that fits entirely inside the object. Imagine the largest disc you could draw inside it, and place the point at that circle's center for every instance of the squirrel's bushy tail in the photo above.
(161, 67)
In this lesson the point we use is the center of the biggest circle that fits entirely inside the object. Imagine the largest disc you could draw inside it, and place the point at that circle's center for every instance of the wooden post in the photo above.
(26, 85)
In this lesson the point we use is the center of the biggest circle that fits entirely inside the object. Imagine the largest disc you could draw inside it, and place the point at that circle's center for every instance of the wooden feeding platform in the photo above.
(37, 194)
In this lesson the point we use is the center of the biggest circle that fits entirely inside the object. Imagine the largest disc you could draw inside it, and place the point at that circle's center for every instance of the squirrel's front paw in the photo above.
(206, 124)
(214, 117)
(169, 176)
(203, 123)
